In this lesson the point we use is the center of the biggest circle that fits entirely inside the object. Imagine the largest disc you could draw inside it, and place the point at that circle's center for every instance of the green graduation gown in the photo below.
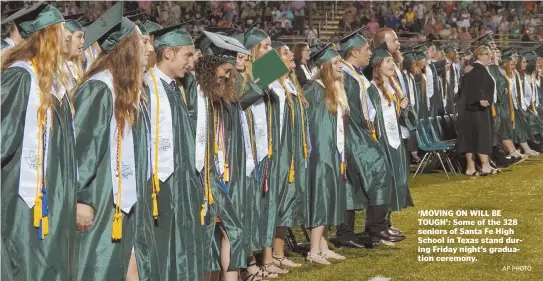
(534, 121)
(502, 103)
(27, 257)
(99, 257)
(260, 211)
(328, 201)
(539, 107)
(421, 105)
(436, 100)
(397, 158)
(368, 172)
(179, 231)
(522, 128)
(292, 197)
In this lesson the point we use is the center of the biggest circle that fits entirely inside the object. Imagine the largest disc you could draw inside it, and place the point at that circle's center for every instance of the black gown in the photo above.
(475, 130)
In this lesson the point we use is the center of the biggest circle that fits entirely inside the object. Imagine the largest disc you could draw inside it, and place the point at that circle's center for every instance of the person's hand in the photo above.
(84, 217)
(468, 69)
(417, 70)
(404, 103)
(484, 103)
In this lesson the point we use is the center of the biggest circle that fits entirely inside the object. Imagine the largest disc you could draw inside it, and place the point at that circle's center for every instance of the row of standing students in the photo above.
(134, 171)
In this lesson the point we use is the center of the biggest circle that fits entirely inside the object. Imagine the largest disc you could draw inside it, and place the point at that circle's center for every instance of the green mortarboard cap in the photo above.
(316, 48)
(378, 55)
(530, 56)
(137, 17)
(253, 37)
(485, 40)
(148, 27)
(72, 22)
(408, 54)
(34, 18)
(510, 52)
(506, 58)
(539, 51)
(421, 48)
(351, 41)
(420, 55)
(324, 55)
(440, 64)
(277, 44)
(172, 36)
(222, 46)
(110, 29)
(228, 31)
(449, 49)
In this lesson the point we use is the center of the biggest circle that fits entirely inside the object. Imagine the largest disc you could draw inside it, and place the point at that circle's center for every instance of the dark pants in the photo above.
(376, 220)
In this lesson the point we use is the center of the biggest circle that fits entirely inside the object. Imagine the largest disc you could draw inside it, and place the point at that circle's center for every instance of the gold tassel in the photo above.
(37, 210)
(342, 168)
(155, 206)
(493, 111)
(291, 171)
(374, 135)
(117, 233)
(226, 174)
(44, 226)
(203, 214)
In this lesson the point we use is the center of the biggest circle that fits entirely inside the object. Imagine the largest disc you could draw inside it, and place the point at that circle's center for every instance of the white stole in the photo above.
(307, 73)
(249, 160)
(276, 87)
(340, 129)
(368, 109)
(456, 81)
(260, 123)
(429, 82)
(129, 194)
(28, 174)
(522, 103)
(514, 91)
(390, 120)
(411, 86)
(201, 129)
(165, 126)
(400, 79)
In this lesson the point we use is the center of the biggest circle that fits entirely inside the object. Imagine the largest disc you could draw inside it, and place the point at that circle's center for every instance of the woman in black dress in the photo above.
(475, 113)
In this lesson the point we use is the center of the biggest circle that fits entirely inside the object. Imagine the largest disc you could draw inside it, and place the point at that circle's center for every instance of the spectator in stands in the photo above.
(403, 27)
(464, 20)
(445, 33)
(503, 30)
(311, 34)
(530, 23)
(349, 20)
(392, 21)
(410, 16)
(372, 25)
(299, 14)
(420, 11)
(267, 15)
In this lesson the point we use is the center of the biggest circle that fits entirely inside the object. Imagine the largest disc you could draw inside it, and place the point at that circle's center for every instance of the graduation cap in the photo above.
(315, 48)
(277, 44)
(378, 55)
(530, 56)
(235, 33)
(421, 48)
(172, 36)
(138, 17)
(72, 22)
(506, 58)
(34, 18)
(324, 55)
(253, 36)
(224, 47)
(147, 27)
(383, 46)
(351, 41)
(449, 49)
(110, 29)
(485, 40)
(420, 55)
(510, 52)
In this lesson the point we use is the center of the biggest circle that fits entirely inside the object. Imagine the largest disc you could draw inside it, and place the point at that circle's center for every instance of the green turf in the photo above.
(518, 192)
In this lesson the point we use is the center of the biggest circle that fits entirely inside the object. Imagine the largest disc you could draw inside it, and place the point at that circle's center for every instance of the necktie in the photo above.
(173, 85)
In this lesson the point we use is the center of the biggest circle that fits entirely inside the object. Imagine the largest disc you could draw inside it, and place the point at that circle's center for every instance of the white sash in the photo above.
(514, 90)
(306, 72)
(410, 80)
(73, 73)
(340, 132)
(528, 93)
(400, 79)
(429, 82)
(28, 174)
(522, 104)
(249, 160)
(90, 57)
(201, 130)
(260, 123)
(370, 114)
(390, 119)
(165, 126)
(456, 81)
(495, 94)
(536, 90)
(129, 190)
(276, 87)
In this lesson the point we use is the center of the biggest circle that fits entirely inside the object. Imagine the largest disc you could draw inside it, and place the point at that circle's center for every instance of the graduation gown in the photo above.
(503, 104)
(369, 177)
(261, 210)
(448, 90)
(400, 197)
(475, 130)
(292, 196)
(539, 102)
(24, 256)
(303, 73)
(421, 105)
(436, 100)
(522, 127)
(328, 201)
(99, 257)
(179, 231)
(535, 123)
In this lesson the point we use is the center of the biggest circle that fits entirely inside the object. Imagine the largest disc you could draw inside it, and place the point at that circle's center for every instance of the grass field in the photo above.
(518, 192)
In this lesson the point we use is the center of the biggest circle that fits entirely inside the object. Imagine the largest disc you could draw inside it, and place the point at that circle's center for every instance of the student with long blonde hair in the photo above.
(328, 106)
(292, 162)
(73, 56)
(115, 203)
(39, 167)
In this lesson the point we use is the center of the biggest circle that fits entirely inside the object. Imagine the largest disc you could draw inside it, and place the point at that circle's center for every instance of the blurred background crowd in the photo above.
(416, 21)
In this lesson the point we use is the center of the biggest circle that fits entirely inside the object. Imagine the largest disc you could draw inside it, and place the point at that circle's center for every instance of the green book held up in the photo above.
(269, 68)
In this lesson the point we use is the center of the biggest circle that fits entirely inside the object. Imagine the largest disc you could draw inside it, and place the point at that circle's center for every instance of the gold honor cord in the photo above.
(117, 231)
(365, 109)
(534, 93)
(41, 218)
(292, 168)
(270, 144)
(511, 105)
(181, 88)
(156, 180)
(208, 195)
